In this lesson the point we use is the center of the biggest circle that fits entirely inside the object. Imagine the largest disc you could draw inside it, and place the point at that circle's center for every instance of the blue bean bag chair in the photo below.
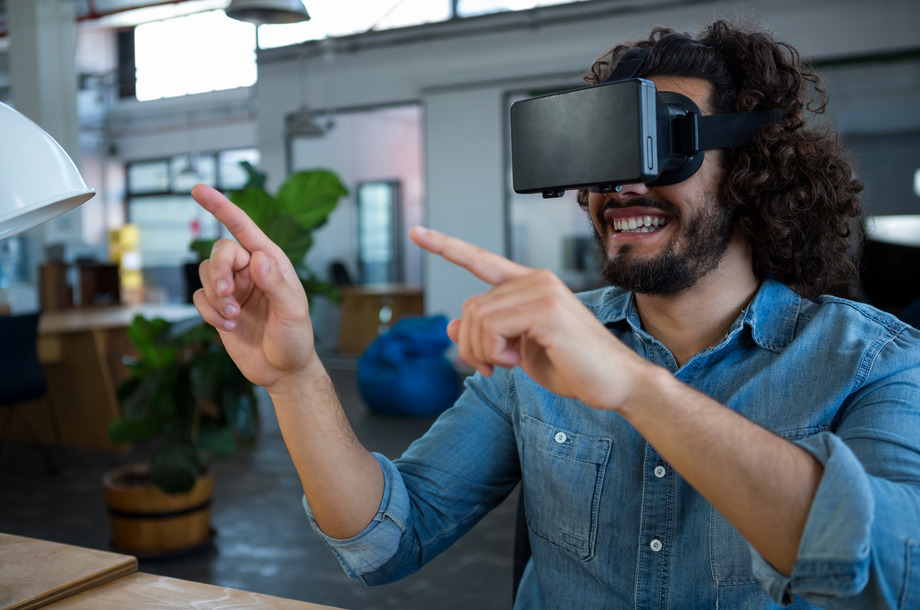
(405, 370)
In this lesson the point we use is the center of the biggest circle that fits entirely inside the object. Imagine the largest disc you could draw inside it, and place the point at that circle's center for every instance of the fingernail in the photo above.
(230, 311)
(229, 324)
(221, 286)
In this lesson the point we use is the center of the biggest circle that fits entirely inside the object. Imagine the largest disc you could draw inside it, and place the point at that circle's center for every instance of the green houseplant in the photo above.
(184, 393)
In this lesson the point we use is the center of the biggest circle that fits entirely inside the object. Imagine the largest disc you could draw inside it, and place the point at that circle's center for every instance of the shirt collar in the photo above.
(771, 316)
(610, 304)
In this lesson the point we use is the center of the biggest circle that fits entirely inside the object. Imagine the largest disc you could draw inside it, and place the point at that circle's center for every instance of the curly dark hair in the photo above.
(792, 187)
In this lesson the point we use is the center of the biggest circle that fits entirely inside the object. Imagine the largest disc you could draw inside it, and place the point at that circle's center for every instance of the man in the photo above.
(698, 435)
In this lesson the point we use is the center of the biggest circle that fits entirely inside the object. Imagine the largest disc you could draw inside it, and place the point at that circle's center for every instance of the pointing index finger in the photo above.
(237, 222)
(487, 266)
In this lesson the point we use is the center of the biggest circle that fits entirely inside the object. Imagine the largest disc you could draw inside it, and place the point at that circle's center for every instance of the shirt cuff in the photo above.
(833, 559)
(378, 542)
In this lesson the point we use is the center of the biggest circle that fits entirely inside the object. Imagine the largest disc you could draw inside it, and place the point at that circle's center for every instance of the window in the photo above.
(470, 8)
(346, 17)
(203, 52)
(158, 201)
(379, 243)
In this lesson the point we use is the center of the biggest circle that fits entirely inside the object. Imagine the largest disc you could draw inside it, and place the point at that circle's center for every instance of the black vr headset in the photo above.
(622, 131)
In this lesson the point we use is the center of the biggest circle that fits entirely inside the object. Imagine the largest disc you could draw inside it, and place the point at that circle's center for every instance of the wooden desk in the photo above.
(82, 351)
(40, 574)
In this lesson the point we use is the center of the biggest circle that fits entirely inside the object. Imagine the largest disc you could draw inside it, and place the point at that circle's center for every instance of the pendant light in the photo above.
(262, 12)
(38, 181)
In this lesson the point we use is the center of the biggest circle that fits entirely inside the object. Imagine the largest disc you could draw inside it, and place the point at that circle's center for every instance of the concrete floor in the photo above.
(264, 543)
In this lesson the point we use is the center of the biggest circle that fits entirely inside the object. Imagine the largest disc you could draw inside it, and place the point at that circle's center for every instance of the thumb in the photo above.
(284, 290)
(453, 330)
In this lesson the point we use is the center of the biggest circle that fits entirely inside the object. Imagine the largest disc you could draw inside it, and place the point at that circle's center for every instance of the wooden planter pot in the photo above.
(149, 523)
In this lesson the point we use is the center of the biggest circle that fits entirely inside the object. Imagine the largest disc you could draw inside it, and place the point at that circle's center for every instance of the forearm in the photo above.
(342, 481)
(762, 484)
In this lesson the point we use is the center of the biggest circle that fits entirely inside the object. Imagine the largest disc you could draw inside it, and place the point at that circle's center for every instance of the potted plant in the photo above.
(186, 396)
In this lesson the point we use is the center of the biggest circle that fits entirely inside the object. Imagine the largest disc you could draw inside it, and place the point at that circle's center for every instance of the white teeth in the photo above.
(639, 224)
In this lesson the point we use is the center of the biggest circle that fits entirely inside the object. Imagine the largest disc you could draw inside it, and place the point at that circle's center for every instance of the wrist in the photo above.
(649, 385)
(297, 384)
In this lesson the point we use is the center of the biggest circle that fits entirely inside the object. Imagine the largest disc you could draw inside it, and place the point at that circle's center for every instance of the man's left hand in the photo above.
(531, 319)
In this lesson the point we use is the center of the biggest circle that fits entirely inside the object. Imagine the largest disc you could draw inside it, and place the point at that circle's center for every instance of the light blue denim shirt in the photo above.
(613, 526)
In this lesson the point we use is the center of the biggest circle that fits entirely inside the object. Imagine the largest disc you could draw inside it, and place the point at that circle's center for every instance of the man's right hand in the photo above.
(253, 297)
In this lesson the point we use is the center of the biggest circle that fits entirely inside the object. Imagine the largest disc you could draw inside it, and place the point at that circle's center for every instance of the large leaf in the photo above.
(240, 411)
(289, 237)
(257, 203)
(210, 372)
(202, 247)
(148, 337)
(156, 396)
(254, 177)
(310, 196)
(126, 430)
(217, 442)
(175, 466)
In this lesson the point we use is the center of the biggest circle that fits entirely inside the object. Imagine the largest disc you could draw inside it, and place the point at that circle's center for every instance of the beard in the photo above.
(687, 256)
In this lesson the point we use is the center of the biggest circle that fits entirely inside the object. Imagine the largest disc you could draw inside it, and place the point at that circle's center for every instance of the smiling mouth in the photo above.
(639, 224)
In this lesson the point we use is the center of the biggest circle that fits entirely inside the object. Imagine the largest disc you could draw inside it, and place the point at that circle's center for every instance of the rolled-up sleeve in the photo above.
(860, 545)
(378, 542)
(464, 466)
(833, 558)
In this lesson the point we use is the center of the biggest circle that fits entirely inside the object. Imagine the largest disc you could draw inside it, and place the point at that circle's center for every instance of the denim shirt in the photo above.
(611, 525)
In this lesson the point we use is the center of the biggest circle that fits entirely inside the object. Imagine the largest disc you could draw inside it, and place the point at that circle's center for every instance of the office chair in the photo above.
(521, 553)
(339, 274)
(22, 378)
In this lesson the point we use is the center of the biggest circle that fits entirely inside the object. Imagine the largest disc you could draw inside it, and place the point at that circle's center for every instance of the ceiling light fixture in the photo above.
(38, 181)
(262, 12)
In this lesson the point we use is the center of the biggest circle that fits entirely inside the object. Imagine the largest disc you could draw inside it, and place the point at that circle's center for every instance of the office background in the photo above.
(423, 109)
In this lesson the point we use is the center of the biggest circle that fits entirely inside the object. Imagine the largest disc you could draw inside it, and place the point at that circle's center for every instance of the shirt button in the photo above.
(561, 437)
(655, 545)
(660, 471)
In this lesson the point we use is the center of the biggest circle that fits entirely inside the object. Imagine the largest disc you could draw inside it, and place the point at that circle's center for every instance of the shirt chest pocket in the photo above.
(563, 474)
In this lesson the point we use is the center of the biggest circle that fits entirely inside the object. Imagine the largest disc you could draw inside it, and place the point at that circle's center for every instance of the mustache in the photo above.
(642, 201)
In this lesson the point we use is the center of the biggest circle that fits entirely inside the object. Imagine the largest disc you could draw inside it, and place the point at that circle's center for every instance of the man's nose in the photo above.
(627, 191)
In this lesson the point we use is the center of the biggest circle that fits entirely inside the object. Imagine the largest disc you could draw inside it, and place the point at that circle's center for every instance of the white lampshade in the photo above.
(261, 12)
(38, 181)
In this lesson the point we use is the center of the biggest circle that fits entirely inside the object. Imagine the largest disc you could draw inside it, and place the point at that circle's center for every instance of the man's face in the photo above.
(664, 239)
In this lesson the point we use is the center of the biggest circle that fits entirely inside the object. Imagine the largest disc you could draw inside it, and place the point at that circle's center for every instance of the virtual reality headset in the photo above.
(617, 133)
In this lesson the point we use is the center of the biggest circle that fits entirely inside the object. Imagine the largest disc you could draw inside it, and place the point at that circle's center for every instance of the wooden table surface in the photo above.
(41, 574)
(116, 316)
(141, 590)
(34, 573)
